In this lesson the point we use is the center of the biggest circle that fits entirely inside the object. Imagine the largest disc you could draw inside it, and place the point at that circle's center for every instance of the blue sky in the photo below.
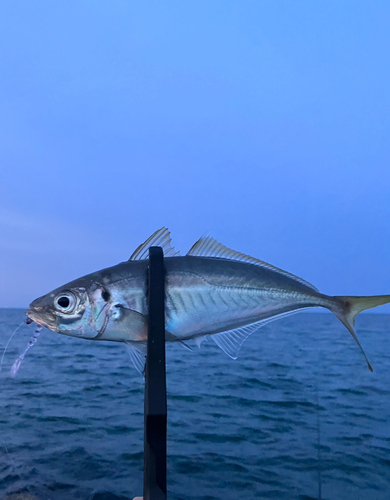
(266, 123)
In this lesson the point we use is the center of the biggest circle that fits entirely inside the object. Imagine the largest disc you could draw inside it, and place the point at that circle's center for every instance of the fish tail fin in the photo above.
(347, 308)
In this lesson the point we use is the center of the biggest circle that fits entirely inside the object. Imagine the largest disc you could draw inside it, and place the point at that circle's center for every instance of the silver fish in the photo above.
(212, 291)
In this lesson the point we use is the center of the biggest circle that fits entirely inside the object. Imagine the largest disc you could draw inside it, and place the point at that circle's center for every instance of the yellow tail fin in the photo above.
(349, 307)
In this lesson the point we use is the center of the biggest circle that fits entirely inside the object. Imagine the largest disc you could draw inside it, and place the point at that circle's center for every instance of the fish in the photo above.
(211, 292)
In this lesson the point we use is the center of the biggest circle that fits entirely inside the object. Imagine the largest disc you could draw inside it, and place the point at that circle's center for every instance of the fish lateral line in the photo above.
(240, 294)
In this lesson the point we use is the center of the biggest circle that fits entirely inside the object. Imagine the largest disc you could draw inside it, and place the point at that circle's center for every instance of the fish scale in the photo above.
(213, 290)
(217, 309)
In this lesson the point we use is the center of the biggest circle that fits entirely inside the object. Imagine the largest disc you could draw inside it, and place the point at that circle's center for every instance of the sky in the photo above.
(265, 123)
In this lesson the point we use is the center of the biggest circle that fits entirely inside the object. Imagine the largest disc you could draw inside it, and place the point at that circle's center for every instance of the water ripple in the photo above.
(71, 426)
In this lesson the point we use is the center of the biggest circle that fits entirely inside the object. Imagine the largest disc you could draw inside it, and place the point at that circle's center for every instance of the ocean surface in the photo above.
(298, 409)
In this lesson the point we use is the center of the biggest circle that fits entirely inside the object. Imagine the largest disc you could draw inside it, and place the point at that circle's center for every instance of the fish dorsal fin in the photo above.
(231, 341)
(209, 247)
(161, 238)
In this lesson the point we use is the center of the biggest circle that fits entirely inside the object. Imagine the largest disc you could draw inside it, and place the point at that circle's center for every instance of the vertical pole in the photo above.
(155, 440)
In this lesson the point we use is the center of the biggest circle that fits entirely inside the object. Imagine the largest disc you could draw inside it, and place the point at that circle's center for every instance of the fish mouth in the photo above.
(30, 315)
(42, 319)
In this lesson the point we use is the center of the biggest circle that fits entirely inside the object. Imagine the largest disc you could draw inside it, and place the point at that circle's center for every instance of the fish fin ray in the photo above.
(161, 238)
(231, 341)
(209, 247)
(137, 354)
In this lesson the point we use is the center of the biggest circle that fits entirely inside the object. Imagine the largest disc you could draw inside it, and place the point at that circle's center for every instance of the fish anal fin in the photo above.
(161, 238)
(231, 341)
(209, 247)
(198, 340)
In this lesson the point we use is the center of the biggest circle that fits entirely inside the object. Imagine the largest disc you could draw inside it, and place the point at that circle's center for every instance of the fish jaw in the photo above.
(43, 318)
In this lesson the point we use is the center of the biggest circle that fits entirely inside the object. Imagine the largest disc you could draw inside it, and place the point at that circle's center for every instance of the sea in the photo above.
(297, 416)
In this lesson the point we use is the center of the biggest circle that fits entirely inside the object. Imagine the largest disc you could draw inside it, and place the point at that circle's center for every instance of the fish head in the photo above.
(77, 309)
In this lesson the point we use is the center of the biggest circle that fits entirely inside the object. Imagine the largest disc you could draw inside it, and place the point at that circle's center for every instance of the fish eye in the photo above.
(65, 302)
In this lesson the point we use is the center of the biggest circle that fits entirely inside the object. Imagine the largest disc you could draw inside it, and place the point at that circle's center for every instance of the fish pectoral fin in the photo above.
(137, 353)
(169, 337)
(130, 321)
(161, 238)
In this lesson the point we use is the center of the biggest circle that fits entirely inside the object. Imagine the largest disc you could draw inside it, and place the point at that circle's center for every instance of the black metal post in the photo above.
(155, 441)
